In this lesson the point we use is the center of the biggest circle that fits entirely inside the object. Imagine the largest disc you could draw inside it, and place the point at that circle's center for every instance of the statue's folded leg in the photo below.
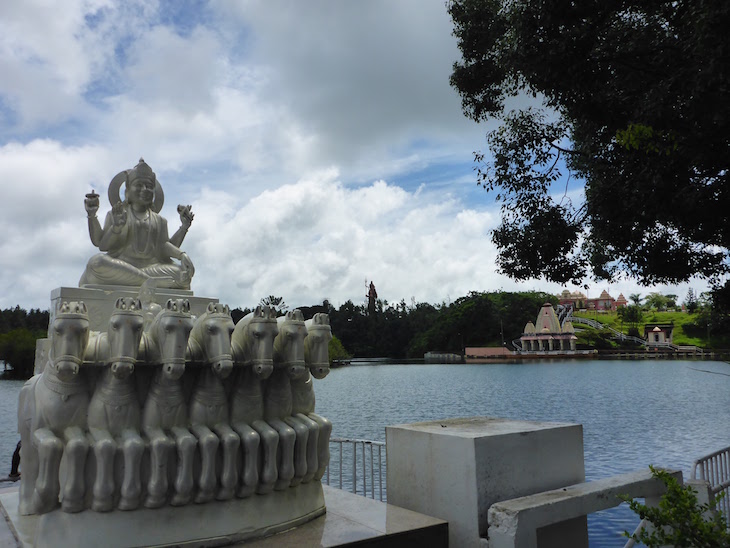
(105, 270)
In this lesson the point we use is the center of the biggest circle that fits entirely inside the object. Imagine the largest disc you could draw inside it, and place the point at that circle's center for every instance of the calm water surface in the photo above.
(633, 413)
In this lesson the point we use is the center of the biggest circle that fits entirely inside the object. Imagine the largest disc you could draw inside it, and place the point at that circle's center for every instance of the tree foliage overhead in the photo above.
(634, 102)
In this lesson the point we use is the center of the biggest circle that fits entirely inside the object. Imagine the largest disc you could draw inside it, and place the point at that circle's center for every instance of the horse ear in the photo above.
(119, 305)
(226, 309)
(171, 305)
(81, 307)
(186, 306)
(258, 312)
(138, 303)
(211, 307)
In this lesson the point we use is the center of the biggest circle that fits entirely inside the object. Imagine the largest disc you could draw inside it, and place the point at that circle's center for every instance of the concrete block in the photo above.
(456, 469)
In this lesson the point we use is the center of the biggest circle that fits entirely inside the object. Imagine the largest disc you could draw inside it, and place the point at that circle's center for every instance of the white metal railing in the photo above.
(346, 461)
(715, 469)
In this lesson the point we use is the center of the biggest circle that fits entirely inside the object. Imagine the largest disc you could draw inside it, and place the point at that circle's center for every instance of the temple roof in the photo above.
(547, 320)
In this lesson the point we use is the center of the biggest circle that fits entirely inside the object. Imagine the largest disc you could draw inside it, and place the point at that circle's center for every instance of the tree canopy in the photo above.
(630, 99)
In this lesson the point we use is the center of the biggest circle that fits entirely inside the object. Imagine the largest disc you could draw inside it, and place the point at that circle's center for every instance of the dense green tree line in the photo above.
(19, 330)
(408, 331)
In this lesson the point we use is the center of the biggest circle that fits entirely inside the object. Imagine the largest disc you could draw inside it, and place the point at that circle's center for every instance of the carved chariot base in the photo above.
(210, 524)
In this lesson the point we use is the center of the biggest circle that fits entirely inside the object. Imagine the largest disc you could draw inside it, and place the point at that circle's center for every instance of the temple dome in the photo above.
(547, 320)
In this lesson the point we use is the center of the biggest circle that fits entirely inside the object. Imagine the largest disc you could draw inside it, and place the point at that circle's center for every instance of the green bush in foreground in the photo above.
(678, 520)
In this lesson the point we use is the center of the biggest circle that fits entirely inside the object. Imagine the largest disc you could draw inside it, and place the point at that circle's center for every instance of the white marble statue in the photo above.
(288, 365)
(253, 349)
(134, 240)
(148, 399)
(210, 344)
(52, 411)
(114, 411)
(165, 413)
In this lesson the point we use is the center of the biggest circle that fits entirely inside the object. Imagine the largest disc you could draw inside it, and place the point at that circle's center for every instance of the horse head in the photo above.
(316, 345)
(69, 338)
(253, 340)
(169, 333)
(289, 344)
(124, 335)
(210, 339)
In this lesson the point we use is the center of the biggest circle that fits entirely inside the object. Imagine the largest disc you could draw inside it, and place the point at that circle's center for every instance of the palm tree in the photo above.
(635, 298)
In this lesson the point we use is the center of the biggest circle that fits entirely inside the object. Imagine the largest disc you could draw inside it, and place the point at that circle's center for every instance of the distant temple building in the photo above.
(579, 301)
(658, 333)
(547, 334)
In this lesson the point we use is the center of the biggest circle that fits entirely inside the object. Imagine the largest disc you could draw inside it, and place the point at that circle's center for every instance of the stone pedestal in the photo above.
(194, 525)
(100, 300)
(456, 469)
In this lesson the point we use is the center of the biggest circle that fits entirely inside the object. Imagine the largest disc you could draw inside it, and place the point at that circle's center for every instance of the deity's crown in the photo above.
(141, 171)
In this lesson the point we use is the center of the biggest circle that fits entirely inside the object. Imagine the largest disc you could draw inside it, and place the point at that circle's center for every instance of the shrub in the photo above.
(679, 519)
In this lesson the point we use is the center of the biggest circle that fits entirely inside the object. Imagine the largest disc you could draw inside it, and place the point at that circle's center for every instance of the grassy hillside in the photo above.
(679, 319)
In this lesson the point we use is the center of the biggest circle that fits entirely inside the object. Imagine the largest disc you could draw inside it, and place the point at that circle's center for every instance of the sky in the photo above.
(319, 144)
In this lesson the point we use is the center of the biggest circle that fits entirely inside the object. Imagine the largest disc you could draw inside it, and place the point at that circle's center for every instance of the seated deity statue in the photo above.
(134, 240)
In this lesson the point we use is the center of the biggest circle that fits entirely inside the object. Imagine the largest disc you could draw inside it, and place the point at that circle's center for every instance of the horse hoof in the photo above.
(203, 496)
(42, 505)
(264, 488)
(224, 493)
(179, 500)
(245, 491)
(154, 502)
(282, 484)
(72, 506)
(128, 504)
(102, 505)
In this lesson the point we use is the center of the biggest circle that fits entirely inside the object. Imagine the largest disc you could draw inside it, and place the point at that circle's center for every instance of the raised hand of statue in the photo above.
(119, 214)
(186, 215)
(91, 203)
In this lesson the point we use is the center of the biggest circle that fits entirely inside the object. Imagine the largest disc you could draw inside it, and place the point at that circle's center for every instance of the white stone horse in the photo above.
(316, 356)
(210, 345)
(288, 364)
(114, 412)
(52, 410)
(253, 348)
(165, 414)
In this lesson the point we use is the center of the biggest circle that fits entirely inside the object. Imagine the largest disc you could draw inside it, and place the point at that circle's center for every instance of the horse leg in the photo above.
(300, 449)
(270, 444)
(250, 472)
(186, 443)
(50, 449)
(76, 449)
(160, 446)
(28, 450)
(208, 444)
(312, 446)
(105, 448)
(229, 474)
(323, 457)
(132, 449)
(285, 453)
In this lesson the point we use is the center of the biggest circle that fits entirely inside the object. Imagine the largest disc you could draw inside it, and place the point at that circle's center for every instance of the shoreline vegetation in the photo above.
(406, 331)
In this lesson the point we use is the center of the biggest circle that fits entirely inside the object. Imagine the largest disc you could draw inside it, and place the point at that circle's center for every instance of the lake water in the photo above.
(634, 413)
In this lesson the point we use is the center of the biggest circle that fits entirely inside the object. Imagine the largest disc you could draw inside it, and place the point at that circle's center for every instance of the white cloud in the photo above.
(319, 144)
